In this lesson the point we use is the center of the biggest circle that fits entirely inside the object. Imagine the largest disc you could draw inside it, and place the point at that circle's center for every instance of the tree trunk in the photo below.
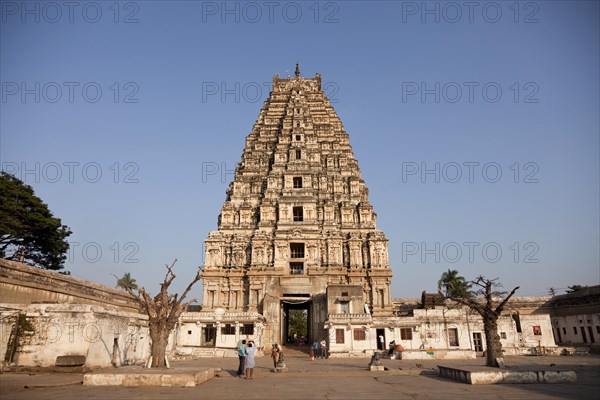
(160, 339)
(492, 340)
(163, 311)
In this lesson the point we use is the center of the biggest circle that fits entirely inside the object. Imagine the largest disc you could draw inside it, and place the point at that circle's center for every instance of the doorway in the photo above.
(380, 339)
(209, 335)
(296, 323)
(477, 342)
(558, 337)
(591, 332)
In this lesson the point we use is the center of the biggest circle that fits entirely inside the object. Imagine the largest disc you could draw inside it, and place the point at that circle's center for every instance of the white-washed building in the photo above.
(445, 330)
(45, 315)
(576, 317)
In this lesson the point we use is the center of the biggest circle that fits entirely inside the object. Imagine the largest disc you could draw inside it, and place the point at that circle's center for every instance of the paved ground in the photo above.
(320, 379)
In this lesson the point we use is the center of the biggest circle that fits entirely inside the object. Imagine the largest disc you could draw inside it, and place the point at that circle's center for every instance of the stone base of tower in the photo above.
(217, 333)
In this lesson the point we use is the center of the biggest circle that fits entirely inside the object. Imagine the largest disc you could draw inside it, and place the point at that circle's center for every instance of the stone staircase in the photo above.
(295, 351)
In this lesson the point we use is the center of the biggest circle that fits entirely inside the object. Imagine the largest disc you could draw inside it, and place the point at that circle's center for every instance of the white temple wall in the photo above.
(444, 329)
(572, 328)
(77, 329)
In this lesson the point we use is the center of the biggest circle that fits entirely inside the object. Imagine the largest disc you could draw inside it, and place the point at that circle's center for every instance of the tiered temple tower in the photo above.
(296, 219)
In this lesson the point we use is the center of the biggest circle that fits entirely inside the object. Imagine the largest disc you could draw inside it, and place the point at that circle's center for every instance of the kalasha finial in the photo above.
(297, 70)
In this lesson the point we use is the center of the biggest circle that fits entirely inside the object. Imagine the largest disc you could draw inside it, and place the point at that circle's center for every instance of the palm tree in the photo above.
(126, 282)
(453, 285)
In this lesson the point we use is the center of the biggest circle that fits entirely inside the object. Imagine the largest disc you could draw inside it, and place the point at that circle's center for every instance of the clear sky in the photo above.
(475, 125)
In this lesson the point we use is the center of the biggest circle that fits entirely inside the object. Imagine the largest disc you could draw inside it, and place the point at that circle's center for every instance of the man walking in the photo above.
(323, 348)
(241, 351)
(314, 350)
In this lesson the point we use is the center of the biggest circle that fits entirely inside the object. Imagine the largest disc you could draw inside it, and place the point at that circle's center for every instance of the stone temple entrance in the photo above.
(296, 319)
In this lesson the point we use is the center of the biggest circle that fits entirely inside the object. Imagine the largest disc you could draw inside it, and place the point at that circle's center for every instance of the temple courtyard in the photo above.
(334, 378)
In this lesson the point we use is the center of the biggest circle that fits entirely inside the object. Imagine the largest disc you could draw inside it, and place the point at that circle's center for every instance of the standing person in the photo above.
(323, 348)
(314, 350)
(275, 354)
(250, 360)
(392, 347)
(241, 352)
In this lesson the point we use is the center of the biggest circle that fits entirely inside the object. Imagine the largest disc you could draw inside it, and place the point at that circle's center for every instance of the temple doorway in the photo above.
(380, 333)
(209, 335)
(296, 322)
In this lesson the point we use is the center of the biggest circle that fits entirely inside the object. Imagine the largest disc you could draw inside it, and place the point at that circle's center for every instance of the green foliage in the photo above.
(297, 323)
(575, 288)
(28, 230)
(453, 285)
(126, 282)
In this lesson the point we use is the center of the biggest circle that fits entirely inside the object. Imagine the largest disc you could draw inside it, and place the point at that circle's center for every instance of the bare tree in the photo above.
(490, 309)
(163, 312)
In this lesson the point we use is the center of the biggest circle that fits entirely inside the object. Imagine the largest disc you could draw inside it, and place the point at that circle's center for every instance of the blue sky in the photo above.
(129, 120)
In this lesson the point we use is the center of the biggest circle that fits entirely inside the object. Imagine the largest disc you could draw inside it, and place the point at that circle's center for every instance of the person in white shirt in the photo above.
(323, 345)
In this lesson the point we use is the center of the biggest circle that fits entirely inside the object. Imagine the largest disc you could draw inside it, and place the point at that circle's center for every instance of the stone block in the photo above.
(519, 377)
(376, 368)
(103, 379)
(559, 377)
(149, 379)
(205, 375)
(487, 376)
(70, 361)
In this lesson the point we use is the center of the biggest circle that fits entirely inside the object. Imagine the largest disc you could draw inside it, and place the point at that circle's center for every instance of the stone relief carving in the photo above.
(355, 256)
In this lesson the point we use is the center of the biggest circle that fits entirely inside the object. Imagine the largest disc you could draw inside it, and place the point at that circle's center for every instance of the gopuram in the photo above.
(296, 220)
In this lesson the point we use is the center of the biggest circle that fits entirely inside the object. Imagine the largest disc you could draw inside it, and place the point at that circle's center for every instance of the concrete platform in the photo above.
(486, 375)
(136, 378)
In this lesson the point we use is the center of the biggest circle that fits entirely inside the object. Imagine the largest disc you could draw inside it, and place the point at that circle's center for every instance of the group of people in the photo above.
(318, 349)
(245, 353)
(246, 350)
